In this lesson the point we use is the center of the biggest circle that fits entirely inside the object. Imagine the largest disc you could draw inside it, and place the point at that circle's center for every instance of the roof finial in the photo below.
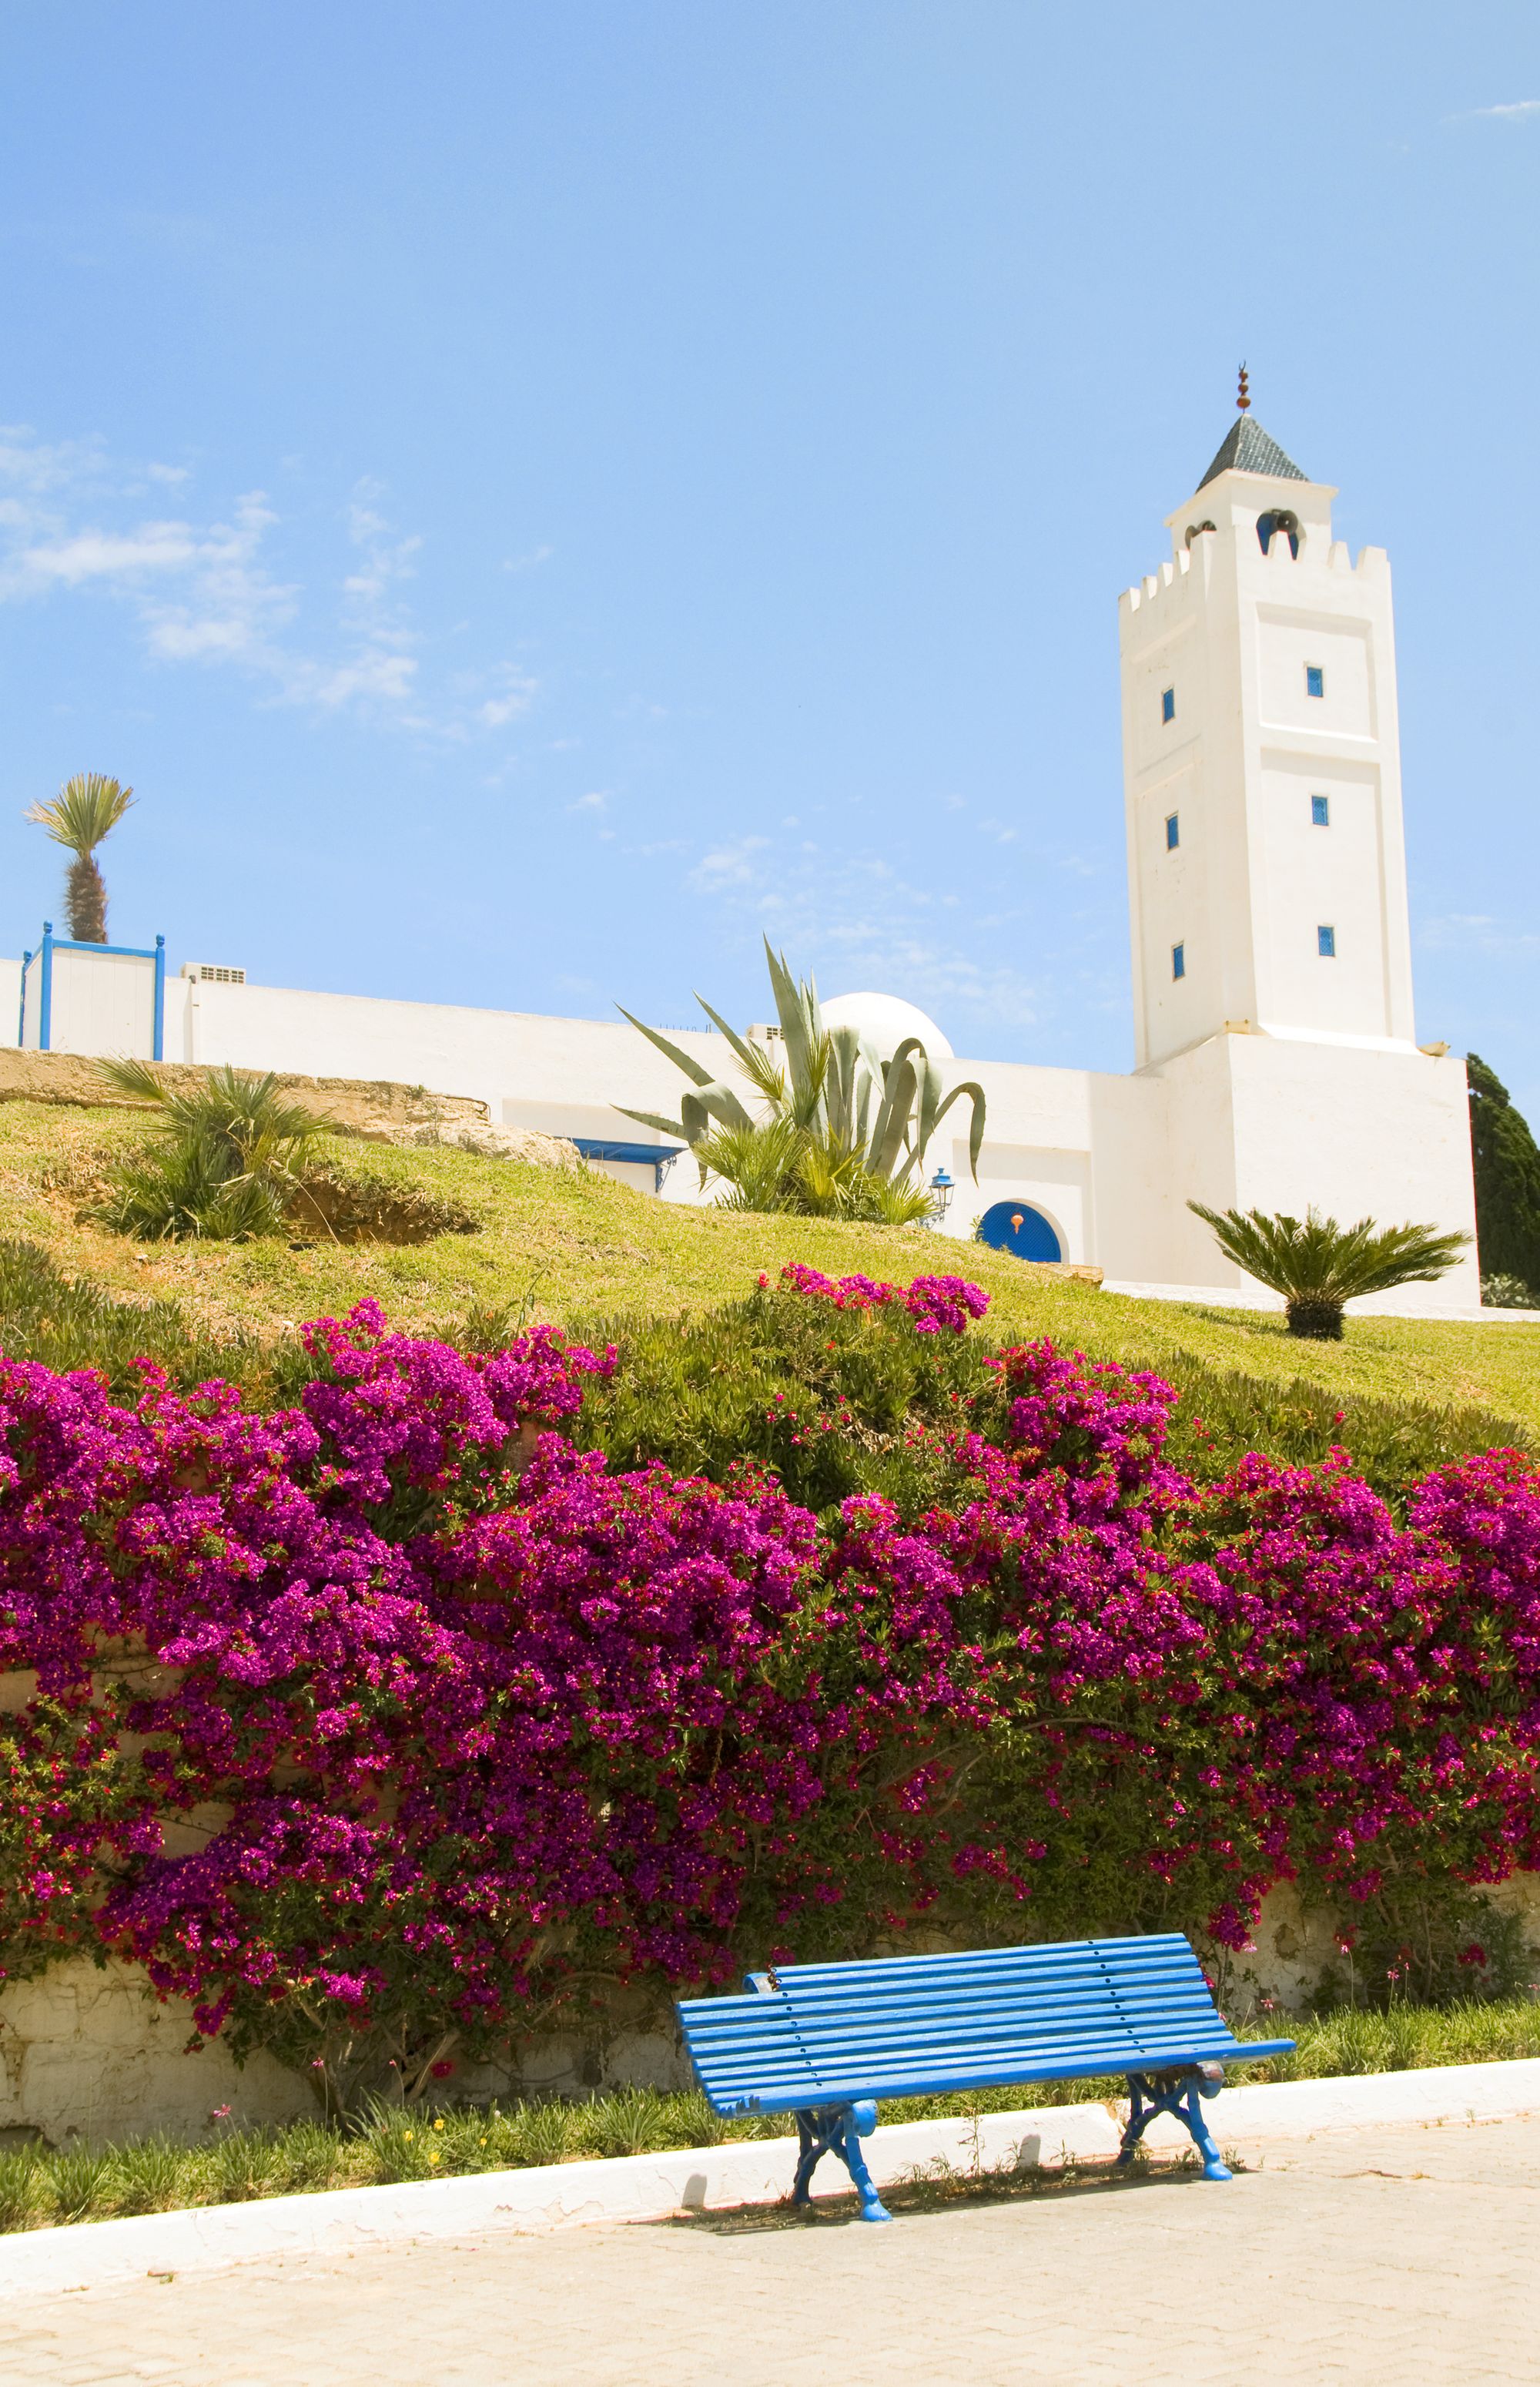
(1243, 399)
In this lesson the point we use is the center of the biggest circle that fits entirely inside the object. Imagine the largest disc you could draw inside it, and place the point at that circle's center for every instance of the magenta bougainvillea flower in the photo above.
(396, 1709)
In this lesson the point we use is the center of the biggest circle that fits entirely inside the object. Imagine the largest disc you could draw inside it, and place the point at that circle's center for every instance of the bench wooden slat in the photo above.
(909, 2025)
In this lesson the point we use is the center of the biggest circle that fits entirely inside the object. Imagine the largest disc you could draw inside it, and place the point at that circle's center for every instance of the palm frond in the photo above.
(225, 1161)
(86, 809)
(1315, 1260)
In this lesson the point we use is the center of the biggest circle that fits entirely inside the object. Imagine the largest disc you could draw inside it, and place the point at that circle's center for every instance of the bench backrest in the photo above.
(916, 2025)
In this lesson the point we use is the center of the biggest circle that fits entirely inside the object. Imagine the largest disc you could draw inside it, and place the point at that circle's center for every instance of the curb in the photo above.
(702, 2180)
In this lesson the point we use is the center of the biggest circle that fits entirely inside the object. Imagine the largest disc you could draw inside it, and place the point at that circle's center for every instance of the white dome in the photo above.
(885, 1020)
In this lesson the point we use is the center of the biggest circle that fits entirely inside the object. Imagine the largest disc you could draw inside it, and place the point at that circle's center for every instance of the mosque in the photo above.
(1276, 1059)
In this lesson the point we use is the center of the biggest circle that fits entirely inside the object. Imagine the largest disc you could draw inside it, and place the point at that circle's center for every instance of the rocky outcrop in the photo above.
(376, 1110)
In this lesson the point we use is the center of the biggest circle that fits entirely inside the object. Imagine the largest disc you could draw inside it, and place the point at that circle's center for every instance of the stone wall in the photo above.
(87, 2051)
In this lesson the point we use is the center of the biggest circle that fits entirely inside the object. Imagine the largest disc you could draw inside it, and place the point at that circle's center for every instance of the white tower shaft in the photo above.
(1266, 871)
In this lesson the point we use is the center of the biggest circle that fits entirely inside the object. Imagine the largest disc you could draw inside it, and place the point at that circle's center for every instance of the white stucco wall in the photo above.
(11, 1000)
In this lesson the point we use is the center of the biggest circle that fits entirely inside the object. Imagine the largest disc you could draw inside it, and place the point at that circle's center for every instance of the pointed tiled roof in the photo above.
(1247, 449)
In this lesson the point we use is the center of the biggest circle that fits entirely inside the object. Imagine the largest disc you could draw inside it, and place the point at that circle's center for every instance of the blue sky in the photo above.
(533, 496)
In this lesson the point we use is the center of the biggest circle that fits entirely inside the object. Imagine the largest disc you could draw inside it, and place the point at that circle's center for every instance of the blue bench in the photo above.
(825, 2041)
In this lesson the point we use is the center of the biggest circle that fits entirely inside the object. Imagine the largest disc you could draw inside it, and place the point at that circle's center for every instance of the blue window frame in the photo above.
(1326, 944)
(1173, 832)
(1178, 961)
(1167, 704)
(1315, 680)
(1320, 812)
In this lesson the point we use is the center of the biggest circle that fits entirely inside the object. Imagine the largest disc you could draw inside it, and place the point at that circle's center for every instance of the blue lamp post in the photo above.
(942, 1189)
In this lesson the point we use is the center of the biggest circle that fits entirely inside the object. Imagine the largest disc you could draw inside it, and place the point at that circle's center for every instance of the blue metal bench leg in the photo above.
(1175, 2094)
(837, 2130)
(860, 2120)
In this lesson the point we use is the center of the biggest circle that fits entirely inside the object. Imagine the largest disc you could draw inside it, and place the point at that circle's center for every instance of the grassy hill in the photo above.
(576, 1248)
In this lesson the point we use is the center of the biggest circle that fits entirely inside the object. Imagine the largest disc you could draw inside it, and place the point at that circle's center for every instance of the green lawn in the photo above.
(576, 1248)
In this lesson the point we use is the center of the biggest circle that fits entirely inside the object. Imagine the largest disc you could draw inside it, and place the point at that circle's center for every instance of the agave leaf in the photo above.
(692, 1068)
(750, 1055)
(844, 1055)
(801, 1019)
(655, 1119)
(975, 1092)
(900, 1080)
(714, 1100)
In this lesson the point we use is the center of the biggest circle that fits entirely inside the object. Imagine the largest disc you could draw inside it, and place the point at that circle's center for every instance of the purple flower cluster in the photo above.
(397, 1704)
(932, 1302)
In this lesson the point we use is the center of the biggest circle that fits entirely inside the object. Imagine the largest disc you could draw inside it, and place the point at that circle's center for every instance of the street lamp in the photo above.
(942, 1189)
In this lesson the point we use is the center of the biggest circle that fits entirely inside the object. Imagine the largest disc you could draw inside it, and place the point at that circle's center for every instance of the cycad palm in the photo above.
(86, 809)
(1318, 1265)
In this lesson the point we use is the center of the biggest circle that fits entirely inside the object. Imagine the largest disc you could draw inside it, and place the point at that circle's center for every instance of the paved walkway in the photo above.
(1381, 2256)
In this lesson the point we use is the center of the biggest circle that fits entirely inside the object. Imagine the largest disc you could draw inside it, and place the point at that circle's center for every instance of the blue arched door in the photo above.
(1016, 1227)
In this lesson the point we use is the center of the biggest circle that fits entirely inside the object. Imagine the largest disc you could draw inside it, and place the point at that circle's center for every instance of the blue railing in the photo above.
(656, 1156)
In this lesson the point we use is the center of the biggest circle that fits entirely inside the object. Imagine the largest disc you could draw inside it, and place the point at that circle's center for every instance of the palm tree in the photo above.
(844, 1134)
(86, 809)
(1318, 1265)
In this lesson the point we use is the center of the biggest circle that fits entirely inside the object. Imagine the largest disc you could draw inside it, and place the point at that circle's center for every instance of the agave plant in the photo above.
(86, 809)
(227, 1162)
(1318, 1265)
(842, 1133)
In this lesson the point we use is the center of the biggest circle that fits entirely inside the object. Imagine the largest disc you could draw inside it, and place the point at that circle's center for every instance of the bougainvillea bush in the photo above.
(412, 1719)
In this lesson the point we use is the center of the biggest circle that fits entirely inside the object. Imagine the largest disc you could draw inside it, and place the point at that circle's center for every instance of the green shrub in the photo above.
(224, 1160)
(242, 2166)
(150, 2175)
(23, 2188)
(837, 1404)
(1507, 1170)
(81, 2182)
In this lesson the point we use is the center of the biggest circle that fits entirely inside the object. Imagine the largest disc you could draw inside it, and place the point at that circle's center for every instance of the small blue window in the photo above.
(1178, 961)
(1315, 680)
(1320, 812)
(1167, 704)
(1326, 944)
(1173, 832)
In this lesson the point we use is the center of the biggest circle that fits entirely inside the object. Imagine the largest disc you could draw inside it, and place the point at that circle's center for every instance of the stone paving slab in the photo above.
(1376, 2255)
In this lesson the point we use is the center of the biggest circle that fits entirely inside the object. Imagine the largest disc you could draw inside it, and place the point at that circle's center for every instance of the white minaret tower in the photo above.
(1262, 775)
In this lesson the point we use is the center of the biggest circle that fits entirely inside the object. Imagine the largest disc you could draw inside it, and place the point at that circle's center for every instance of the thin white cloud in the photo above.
(726, 865)
(516, 691)
(1476, 931)
(595, 801)
(857, 923)
(1510, 108)
(207, 593)
(105, 555)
